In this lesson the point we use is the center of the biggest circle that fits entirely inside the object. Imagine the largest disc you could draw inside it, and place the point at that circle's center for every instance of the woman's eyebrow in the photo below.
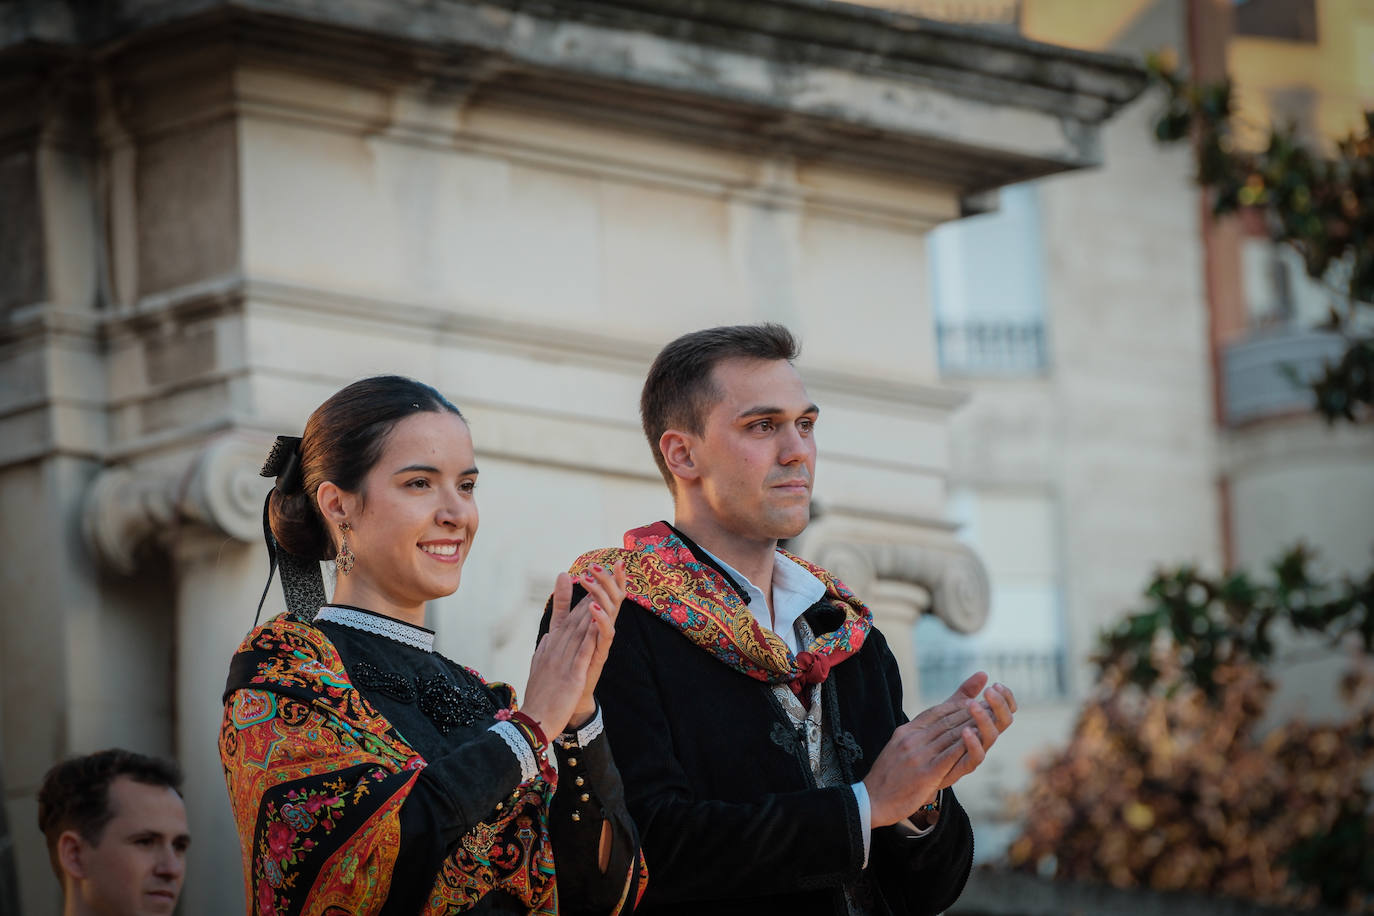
(427, 469)
(412, 468)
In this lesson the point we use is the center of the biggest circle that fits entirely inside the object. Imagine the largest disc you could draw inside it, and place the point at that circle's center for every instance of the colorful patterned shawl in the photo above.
(317, 778)
(665, 579)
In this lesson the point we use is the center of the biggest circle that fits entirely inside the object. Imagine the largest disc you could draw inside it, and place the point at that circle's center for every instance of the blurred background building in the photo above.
(1044, 370)
(1127, 358)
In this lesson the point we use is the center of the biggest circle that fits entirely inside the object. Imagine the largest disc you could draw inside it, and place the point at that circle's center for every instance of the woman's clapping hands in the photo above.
(568, 661)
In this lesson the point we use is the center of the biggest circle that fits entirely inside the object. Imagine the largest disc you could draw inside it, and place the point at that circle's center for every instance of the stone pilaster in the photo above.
(200, 515)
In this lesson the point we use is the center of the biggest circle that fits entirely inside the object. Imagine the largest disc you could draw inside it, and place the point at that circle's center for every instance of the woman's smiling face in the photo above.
(413, 520)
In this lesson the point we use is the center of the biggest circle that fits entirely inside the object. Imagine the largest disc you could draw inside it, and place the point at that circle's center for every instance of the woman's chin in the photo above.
(443, 586)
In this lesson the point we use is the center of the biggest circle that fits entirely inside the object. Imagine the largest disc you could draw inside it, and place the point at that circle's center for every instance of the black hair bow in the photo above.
(301, 581)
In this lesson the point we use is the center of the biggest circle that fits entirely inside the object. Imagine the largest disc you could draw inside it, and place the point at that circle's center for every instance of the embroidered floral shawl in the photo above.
(317, 778)
(664, 578)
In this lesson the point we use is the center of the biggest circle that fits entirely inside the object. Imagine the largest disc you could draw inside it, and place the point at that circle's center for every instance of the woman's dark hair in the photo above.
(679, 391)
(343, 439)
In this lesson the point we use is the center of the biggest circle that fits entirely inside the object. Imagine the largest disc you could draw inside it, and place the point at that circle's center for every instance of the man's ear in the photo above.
(335, 505)
(71, 850)
(677, 449)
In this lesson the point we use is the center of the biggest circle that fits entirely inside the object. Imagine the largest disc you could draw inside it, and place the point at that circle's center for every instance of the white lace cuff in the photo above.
(529, 764)
(584, 735)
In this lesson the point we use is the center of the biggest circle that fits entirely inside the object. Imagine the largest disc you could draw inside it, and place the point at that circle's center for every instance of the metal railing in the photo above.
(1030, 675)
(991, 347)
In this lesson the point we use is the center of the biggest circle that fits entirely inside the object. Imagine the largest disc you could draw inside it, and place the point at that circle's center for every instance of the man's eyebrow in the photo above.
(763, 410)
(427, 469)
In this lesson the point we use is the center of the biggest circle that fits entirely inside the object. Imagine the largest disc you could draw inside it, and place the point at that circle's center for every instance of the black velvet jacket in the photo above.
(729, 815)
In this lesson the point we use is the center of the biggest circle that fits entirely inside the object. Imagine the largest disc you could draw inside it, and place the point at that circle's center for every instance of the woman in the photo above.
(368, 773)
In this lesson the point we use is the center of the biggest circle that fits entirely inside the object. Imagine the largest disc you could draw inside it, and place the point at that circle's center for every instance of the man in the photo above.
(753, 710)
(116, 831)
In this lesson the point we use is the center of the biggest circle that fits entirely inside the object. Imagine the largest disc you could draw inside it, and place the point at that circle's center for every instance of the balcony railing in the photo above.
(991, 347)
(1030, 675)
(1257, 371)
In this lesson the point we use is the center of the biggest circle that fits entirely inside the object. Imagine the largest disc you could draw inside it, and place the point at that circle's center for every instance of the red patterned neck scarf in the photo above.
(665, 578)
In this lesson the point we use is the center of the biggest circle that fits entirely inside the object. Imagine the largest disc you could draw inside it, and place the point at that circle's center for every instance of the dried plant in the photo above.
(1167, 782)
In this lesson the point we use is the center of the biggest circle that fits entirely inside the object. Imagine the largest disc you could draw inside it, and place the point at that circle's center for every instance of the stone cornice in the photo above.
(864, 87)
(798, 31)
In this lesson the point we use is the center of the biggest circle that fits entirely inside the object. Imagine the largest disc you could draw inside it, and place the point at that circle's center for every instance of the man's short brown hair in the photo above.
(679, 390)
(76, 793)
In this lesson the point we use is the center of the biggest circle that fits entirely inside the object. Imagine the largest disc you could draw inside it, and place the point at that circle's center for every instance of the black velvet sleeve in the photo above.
(451, 795)
(701, 848)
(922, 875)
(590, 797)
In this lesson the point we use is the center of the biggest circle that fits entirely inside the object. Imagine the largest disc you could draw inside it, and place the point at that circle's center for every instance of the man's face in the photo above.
(136, 867)
(756, 458)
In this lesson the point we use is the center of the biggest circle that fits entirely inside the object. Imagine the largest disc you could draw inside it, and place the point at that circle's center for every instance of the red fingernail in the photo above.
(598, 567)
(595, 606)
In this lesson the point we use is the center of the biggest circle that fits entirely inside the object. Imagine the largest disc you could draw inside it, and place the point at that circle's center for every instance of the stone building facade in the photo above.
(217, 212)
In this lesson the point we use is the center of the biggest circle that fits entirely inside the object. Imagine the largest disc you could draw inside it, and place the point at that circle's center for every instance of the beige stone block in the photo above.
(863, 488)
(23, 271)
(854, 276)
(1303, 482)
(177, 243)
(25, 375)
(71, 231)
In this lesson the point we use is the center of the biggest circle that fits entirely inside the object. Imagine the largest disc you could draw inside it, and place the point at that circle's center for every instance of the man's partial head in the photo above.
(116, 830)
(730, 425)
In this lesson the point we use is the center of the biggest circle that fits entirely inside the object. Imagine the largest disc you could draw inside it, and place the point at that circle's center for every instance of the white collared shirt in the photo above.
(795, 590)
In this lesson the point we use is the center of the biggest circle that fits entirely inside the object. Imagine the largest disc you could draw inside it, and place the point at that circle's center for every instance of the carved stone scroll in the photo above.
(130, 508)
(946, 569)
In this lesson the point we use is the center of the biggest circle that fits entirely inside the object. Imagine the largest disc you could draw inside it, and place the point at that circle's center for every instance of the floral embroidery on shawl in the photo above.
(317, 778)
(664, 578)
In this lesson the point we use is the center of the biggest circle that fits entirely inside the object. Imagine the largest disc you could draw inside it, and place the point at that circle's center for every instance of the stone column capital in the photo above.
(216, 488)
(949, 571)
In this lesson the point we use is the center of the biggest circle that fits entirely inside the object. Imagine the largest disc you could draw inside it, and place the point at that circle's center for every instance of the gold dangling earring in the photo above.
(344, 559)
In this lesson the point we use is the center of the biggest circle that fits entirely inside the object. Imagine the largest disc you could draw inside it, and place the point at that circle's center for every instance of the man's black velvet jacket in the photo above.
(730, 818)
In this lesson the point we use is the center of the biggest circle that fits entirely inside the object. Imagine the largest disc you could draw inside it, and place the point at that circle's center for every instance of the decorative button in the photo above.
(572, 761)
(500, 806)
(576, 816)
(579, 780)
(586, 797)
